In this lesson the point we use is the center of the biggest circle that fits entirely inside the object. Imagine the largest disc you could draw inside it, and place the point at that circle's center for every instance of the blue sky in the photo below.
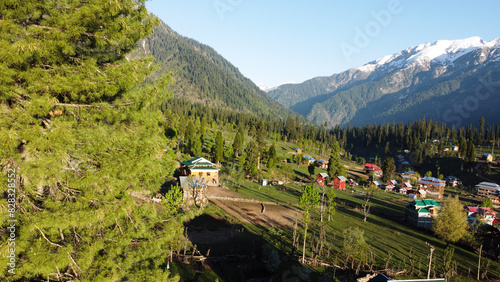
(277, 41)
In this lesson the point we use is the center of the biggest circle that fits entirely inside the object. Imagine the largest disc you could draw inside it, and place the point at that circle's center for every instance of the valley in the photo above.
(133, 153)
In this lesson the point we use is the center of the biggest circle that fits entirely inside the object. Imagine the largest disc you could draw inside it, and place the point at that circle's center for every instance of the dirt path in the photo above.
(274, 215)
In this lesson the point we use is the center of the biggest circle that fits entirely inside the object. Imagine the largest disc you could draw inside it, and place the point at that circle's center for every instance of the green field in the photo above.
(385, 230)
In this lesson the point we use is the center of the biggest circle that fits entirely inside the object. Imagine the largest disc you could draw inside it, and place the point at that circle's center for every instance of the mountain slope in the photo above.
(204, 76)
(451, 81)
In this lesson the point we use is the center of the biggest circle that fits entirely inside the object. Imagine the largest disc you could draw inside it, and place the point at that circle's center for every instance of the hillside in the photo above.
(450, 81)
(203, 76)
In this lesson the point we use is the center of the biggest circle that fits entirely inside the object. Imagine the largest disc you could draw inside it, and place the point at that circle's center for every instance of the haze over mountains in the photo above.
(455, 81)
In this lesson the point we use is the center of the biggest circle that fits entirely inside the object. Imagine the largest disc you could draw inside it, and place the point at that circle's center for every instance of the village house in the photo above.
(298, 151)
(487, 157)
(488, 189)
(420, 212)
(453, 181)
(321, 163)
(433, 186)
(486, 215)
(376, 169)
(321, 178)
(201, 167)
(308, 159)
(376, 184)
(339, 182)
(391, 184)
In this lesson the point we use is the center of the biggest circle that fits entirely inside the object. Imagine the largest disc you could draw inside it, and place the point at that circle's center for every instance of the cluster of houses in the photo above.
(421, 212)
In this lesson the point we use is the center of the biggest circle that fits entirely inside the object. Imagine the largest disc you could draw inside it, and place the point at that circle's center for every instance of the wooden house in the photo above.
(321, 178)
(339, 182)
(321, 163)
(376, 169)
(298, 151)
(201, 167)
(406, 185)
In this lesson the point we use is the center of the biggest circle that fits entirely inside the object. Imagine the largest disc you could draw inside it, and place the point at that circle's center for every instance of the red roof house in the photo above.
(376, 169)
(321, 178)
(339, 182)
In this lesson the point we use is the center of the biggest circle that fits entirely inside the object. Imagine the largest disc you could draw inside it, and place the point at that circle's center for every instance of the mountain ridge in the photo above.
(203, 76)
(425, 72)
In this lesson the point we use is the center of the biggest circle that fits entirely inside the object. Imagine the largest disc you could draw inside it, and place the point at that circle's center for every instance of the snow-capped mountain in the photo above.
(267, 88)
(442, 52)
(438, 80)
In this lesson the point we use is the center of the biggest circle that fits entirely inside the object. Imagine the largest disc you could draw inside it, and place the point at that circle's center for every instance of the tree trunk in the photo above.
(304, 247)
(479, 262)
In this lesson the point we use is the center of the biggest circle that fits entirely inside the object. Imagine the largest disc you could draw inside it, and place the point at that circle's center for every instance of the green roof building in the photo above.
(201, 167)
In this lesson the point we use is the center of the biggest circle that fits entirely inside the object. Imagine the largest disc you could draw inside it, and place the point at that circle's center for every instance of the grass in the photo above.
(384, 230)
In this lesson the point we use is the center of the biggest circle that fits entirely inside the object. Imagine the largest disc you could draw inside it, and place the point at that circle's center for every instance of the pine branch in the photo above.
(95, 106)
(43, 235)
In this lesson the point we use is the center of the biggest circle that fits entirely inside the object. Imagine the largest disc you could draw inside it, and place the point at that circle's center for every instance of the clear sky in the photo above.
(277, 41)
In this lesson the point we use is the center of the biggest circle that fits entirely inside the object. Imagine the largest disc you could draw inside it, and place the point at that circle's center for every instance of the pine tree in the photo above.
(219, 147)
(239, 139)
(335, 167)
(85, 141)
(389, 169)
(471, 152)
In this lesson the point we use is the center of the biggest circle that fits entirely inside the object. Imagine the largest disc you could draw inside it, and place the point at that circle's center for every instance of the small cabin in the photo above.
(339, 182)
(321, 178)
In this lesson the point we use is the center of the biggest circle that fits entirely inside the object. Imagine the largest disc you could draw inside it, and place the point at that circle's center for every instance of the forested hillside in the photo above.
(203, 76)
(80, 141)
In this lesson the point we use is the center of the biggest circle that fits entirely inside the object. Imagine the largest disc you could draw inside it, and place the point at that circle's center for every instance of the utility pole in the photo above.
(430, 260)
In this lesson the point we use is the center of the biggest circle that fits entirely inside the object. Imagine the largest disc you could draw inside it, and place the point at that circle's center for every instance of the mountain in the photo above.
(203, 76)
(453, 81)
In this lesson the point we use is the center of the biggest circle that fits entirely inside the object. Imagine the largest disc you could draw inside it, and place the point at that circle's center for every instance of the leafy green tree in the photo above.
(219, 147)
(451, 223)
(311, 168)
(271, 158)
(355, 247)
(389, 169)
(309, 199)
(79, 125)
(487, 203)
(229, 153)
(299, 158)
(330, 194)
(428, 173)
(287, 172)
